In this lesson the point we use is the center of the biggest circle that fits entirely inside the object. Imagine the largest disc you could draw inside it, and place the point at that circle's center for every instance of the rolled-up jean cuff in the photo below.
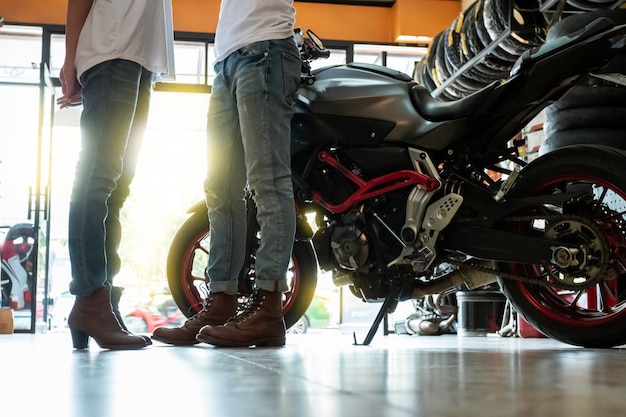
(272, 285)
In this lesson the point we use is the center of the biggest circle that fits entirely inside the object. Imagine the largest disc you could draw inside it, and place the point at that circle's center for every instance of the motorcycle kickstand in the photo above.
(389, 305)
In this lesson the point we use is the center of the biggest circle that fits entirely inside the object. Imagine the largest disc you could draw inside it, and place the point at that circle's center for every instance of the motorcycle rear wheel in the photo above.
(187, 260)
(593, 315)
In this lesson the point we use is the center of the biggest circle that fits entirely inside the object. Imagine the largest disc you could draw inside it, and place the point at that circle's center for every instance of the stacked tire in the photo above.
(593, 5)
(474, 30)
(593, 113)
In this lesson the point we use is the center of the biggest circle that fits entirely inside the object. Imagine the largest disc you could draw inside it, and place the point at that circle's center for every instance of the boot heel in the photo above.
(80, 339)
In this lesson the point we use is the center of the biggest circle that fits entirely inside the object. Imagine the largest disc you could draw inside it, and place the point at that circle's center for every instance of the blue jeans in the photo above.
(248, 136)
(116, 96)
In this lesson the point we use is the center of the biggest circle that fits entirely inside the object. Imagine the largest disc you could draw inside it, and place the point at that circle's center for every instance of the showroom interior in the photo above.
(460, 351)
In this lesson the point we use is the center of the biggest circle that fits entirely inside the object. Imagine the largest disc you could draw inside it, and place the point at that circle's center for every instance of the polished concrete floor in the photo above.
(316, 374)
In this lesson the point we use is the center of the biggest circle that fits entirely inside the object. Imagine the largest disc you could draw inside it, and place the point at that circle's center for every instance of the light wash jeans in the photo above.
(248, 136)
(116, 97)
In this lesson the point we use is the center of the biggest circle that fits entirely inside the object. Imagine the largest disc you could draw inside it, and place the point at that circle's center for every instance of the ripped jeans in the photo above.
(248, 138)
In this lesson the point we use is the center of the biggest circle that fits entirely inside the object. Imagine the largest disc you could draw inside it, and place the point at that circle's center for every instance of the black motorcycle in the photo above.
(402, 196)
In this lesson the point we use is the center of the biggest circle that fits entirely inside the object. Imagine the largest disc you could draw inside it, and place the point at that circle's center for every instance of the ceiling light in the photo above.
(414, 39)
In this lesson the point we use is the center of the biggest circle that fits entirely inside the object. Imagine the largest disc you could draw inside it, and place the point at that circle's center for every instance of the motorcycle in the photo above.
(403, 196)
(16, 252)
(159, 311)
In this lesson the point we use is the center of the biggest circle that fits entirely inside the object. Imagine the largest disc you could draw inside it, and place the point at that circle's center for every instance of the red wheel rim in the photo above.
(193, 281)
(601, 303)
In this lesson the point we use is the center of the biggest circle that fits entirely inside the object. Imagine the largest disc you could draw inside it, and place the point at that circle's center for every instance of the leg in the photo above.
(113, 226)
(224, 190)
(266, 75)
(109, 99)
(121, 192)
(224, 186)
(110, 92)
(265, 112)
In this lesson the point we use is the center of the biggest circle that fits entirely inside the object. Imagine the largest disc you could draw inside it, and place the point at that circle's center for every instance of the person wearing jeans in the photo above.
(248, 135)
(115, 49)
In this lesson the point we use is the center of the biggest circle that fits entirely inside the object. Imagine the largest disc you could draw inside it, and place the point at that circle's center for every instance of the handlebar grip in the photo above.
(316, 53)
(324, 53)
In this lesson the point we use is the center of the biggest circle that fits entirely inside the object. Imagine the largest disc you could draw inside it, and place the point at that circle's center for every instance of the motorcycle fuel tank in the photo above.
(363, 105)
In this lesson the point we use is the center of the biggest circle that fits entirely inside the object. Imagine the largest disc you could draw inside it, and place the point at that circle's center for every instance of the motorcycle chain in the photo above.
(502, 274)
(525, 279)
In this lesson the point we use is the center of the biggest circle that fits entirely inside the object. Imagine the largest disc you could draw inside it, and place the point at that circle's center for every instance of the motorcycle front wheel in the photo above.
(593, 314)
(187, 260)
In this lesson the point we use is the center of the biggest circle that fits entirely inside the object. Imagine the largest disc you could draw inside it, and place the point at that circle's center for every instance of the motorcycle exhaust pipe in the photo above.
(429, 327)
(470, 277)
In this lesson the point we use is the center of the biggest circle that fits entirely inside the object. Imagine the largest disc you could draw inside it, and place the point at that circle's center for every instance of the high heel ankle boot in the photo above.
(116, 295)
(92, 316)
(260, 324)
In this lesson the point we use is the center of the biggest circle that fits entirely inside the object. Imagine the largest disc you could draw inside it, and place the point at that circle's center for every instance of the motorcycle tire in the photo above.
(587, 96)
(587, 6)
(451, 45)
(585, 118)
(444, 73)
(496, 23)
(419, 74)
(440, 59)
(461, 84)
(187, 259)
(486, 69)
(477, 74)
(486, 40)
(593, 314)
(468, 84)
(426, 80)
(599, 136)
(430, 55)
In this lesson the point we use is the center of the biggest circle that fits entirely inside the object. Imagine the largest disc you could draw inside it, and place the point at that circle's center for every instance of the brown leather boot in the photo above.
(92, 316)
(116, 295)
(261, 324)
(217, 309)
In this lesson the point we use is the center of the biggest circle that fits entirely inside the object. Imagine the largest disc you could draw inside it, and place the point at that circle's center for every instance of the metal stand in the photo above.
(389, 305)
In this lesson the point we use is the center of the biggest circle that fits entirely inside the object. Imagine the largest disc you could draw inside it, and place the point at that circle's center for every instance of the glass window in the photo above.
(400, 58)
(57, 54)
(168, 181)
(191, 62)
(21, 54)
(19, 112)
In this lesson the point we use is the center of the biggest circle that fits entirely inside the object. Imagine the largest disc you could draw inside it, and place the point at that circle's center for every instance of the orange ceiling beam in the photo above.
(329, 21)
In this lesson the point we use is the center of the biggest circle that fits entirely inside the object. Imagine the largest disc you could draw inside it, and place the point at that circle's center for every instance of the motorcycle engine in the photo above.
(349, 246)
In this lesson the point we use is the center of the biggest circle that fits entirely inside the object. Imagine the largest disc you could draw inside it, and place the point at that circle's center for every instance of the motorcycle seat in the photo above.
(439, 111)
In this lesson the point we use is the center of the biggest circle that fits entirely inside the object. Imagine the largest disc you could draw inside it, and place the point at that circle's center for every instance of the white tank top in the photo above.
(136, 30)
(242, 22)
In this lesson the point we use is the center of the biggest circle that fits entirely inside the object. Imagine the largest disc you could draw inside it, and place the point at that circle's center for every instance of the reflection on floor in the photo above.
(316, 374)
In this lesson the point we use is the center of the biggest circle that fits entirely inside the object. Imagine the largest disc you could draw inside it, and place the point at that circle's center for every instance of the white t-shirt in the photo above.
(136, 30)
(243, 22)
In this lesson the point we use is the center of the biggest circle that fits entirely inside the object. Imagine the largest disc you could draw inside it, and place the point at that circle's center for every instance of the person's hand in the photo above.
(70, 87)
(71, 101)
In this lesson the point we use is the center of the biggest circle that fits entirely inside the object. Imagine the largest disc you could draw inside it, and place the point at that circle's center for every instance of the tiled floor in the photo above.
(317, 374)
